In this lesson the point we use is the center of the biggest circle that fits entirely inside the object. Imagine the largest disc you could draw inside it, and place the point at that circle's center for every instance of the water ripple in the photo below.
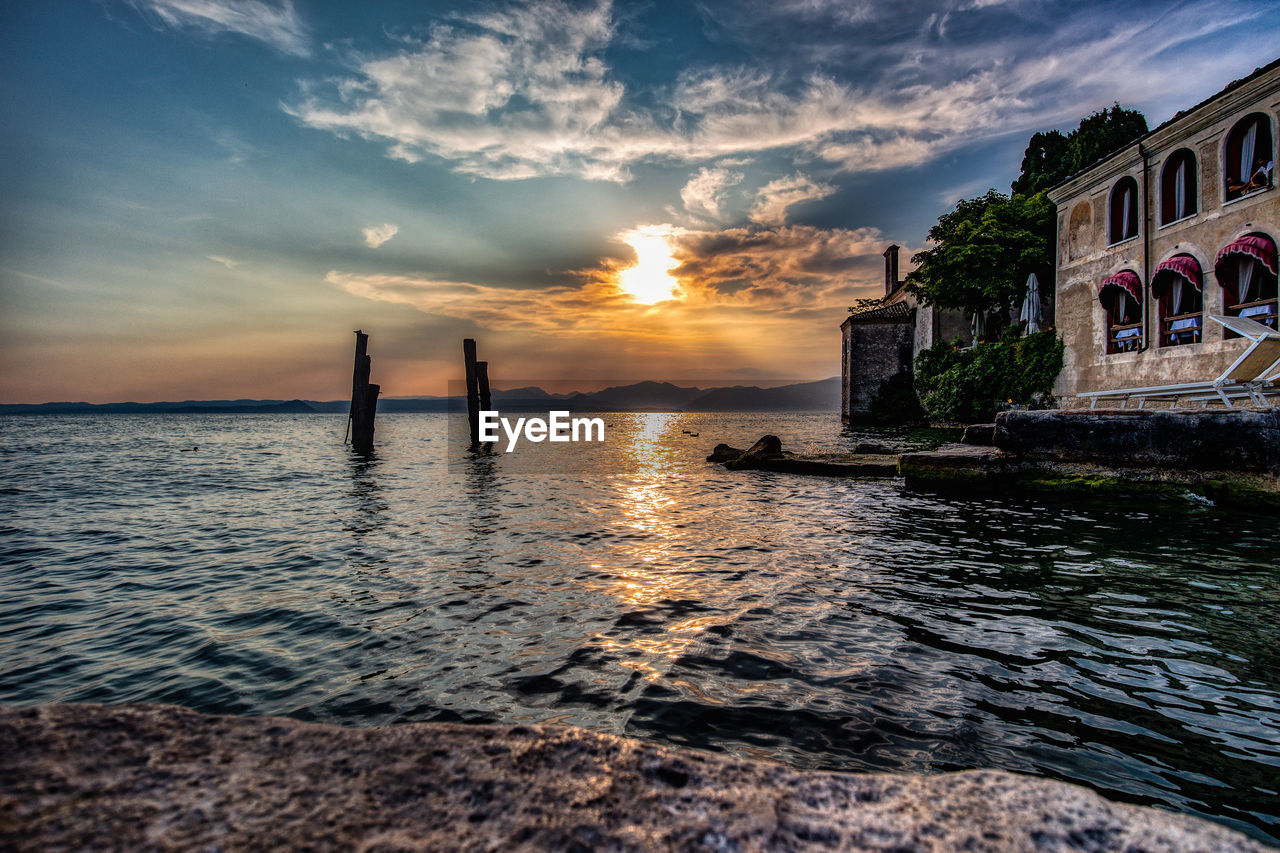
(635, 589)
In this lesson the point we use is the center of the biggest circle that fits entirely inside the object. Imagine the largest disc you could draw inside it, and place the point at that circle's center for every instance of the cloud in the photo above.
(376, 235)
(226, 262)
(277, 24)
(773, 199)
(558, 309)
(526, 91)
(238, 150)
(736, 287)
(705, 191)
(951, 195)
(507, 94)
(775, 272)
(784, 269)
(872, 154)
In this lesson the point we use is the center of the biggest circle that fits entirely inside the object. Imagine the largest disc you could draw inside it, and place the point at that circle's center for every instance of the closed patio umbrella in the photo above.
(1030, 313)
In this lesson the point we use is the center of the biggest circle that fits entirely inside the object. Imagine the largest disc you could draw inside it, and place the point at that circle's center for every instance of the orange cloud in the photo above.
(732, 283)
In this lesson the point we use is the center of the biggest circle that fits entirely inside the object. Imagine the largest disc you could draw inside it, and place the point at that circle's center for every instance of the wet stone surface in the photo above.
(155, 777)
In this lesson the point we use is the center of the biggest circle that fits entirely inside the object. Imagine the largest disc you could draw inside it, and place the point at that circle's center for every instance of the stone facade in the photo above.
(882, 340)
(1185, 199)
(878, 345)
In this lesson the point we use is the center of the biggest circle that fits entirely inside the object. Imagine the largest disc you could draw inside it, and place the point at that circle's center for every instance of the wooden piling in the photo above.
(364, 398)
(482, 381)
(473, 389)
(362, 421)
(482, 384)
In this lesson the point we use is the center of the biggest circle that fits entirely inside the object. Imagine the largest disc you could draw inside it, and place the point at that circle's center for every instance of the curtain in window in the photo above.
(1246, 151)
(1117, 309)
(1175, 296)
(1245, 280)
(1125, 203)
(1180, 190)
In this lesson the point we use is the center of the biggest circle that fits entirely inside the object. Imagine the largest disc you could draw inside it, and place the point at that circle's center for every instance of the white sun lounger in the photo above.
(1253, 376)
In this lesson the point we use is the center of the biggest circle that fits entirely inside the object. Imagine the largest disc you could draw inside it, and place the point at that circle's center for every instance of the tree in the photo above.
(986, 247)
(1051, 157)
(1103, 133)
(1046, 162)
(983, 252)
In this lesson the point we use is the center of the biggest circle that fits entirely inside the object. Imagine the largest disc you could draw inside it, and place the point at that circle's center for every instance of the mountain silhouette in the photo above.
(820, 396)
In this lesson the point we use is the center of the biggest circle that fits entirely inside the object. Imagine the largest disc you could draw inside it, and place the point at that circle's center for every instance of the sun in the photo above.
(650, 280)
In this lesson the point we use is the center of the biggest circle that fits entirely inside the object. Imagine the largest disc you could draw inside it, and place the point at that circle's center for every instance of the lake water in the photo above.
(635, 589)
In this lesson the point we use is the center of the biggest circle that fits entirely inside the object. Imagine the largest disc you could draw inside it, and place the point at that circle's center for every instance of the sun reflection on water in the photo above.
(649, 506)
(648, 570)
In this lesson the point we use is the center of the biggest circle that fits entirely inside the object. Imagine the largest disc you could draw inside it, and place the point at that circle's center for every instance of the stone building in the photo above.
(881, 340)
(1178, 225)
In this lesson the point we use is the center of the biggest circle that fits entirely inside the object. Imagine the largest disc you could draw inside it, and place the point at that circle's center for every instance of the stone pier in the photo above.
(1231, 457)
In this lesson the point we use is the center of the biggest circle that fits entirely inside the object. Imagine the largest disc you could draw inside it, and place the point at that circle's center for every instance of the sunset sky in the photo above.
(203, 198)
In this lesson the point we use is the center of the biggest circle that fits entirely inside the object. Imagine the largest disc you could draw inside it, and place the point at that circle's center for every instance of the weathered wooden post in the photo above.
(482, 380)
(486, 398)
(473, 389)
(364, 398)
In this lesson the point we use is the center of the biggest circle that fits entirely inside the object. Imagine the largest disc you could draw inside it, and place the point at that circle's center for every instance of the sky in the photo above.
(202, 199)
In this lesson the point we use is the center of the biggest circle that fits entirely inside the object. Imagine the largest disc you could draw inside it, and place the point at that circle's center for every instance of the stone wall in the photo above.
(881, 342)
(874, 350)
(1179, 441)
(1085, 258)
(926, 331)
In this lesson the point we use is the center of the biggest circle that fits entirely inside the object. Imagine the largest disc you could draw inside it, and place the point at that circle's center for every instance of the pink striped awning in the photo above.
(1126, 280)
(1184, 266)
(1253, 246)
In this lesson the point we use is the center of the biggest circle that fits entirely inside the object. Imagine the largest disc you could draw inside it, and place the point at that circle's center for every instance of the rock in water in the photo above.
(724, 453)
(156, 777)
(874, 448)
(767, 447)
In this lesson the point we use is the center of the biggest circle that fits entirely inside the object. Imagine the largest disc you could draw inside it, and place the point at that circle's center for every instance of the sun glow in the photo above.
(650, 280)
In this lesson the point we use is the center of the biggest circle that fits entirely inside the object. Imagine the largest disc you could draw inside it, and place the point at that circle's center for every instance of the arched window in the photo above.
(1246, 269)
(1178, 187)
(1250, 163)
(1178, 284)
(1121, 299)
(1124, 210)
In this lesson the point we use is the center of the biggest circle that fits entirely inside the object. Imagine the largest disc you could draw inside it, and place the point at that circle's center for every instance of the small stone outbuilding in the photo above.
(882, 339)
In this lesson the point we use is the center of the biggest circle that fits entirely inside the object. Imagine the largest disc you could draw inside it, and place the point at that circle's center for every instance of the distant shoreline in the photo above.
(819, 396)
(107, 409)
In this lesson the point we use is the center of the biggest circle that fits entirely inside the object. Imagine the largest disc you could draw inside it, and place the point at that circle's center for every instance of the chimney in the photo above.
(890, 269)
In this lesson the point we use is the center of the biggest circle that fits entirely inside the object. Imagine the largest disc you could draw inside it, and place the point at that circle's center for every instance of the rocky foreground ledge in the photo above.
(155, 777)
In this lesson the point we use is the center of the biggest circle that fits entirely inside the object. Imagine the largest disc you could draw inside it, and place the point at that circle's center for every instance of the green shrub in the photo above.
(895, 402)
(968, 385)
